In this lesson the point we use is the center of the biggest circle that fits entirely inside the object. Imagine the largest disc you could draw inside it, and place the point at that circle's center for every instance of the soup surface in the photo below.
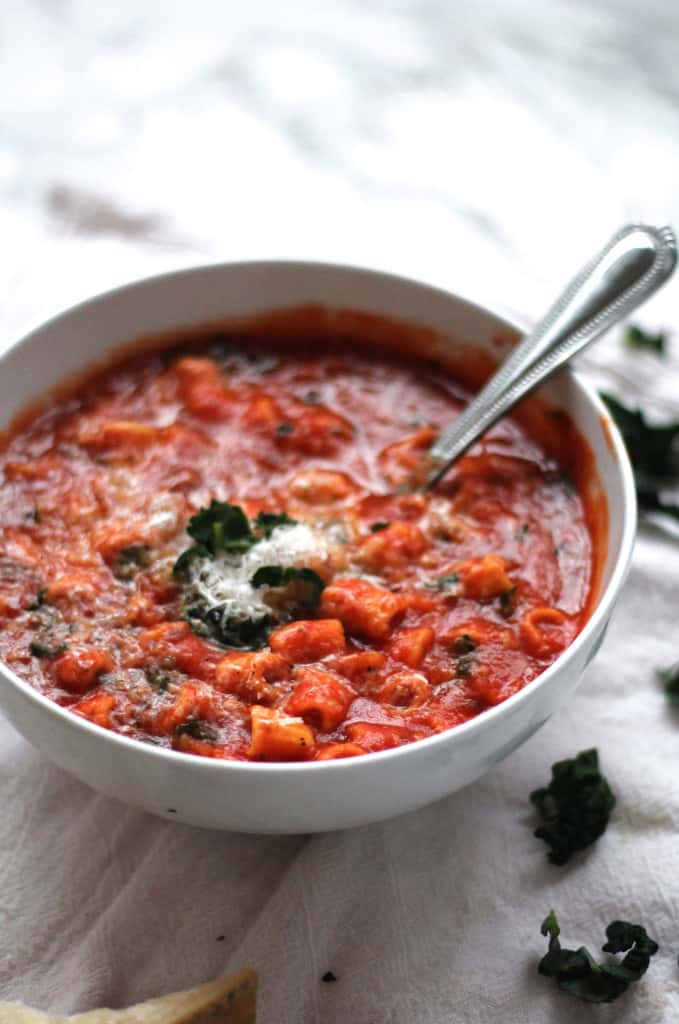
(318, 607)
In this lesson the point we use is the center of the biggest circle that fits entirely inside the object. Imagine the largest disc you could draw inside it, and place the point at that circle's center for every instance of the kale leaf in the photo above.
(653, 455)
(277, 576)
(449, 585)
(636, 337)
(50, 651)
(221, 527)
(130, 560)
(266, 522)
(197, 730)
(577, 972)
(575, 807)
(670, 677)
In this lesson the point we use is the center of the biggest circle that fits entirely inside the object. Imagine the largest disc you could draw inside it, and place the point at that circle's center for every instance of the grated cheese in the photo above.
(224, 582)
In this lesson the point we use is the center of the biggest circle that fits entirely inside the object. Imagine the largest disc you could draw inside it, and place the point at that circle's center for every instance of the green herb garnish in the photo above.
(636, 337)
(574, 807)
(130, 560)
(224, 530)
(50, 651)
(652, 452)
(577, 972)
(283, 429)
(670, 677)
(449, 585)
(197, 729)
(379, 525)
(277, 576)
(508, 602)
(266, 522)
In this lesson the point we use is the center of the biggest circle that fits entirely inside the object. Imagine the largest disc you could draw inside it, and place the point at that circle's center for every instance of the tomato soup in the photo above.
(217, 548)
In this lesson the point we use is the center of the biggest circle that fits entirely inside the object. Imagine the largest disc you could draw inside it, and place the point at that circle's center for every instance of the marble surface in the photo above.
(488, 147)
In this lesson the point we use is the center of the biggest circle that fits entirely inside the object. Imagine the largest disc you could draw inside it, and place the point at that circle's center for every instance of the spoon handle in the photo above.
(636, 261)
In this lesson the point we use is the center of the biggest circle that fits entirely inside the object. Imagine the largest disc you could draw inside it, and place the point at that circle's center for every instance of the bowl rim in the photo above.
(477, 724)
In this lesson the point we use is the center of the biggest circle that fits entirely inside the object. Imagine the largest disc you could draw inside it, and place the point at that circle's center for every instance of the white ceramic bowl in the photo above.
(319, 796)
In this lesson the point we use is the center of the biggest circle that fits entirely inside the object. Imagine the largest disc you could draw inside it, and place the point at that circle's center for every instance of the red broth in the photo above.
(434, 606)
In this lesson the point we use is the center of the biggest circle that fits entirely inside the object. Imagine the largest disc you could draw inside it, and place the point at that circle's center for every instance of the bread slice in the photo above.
(225, 1001)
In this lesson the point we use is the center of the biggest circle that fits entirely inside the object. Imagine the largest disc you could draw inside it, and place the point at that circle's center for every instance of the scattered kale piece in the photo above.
(636, 337)
(311, 584)
(197, 729)
(329, 976)
(130, 560)
(379, 525)
(650, 448)
(575, 807)
(670, 677)
(313, 398)
(576, 971)
(653, 454)
(285, 428)
(650, 501)
(266, 522)
(50, 651)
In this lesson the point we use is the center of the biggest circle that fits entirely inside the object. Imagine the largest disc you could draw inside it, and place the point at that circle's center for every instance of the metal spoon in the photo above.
(635, 263)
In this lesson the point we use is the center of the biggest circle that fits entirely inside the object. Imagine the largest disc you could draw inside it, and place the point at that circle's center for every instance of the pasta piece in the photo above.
(411, 645)
(165, 718)
(372, 736)
(279, 737)
(359, 664)
(335, 751)
(321, 487)
(175, 645)
(250, 675)
(309, 640)
(317, 432)
(78, 668)
(544, 631)
(97, 708)
(202, 388)
(405, 690)
(364, 608)
(484, 578)
(320, 698)
(396, 545)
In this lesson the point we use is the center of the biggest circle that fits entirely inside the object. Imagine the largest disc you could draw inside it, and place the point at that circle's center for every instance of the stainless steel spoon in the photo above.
(635, 263)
